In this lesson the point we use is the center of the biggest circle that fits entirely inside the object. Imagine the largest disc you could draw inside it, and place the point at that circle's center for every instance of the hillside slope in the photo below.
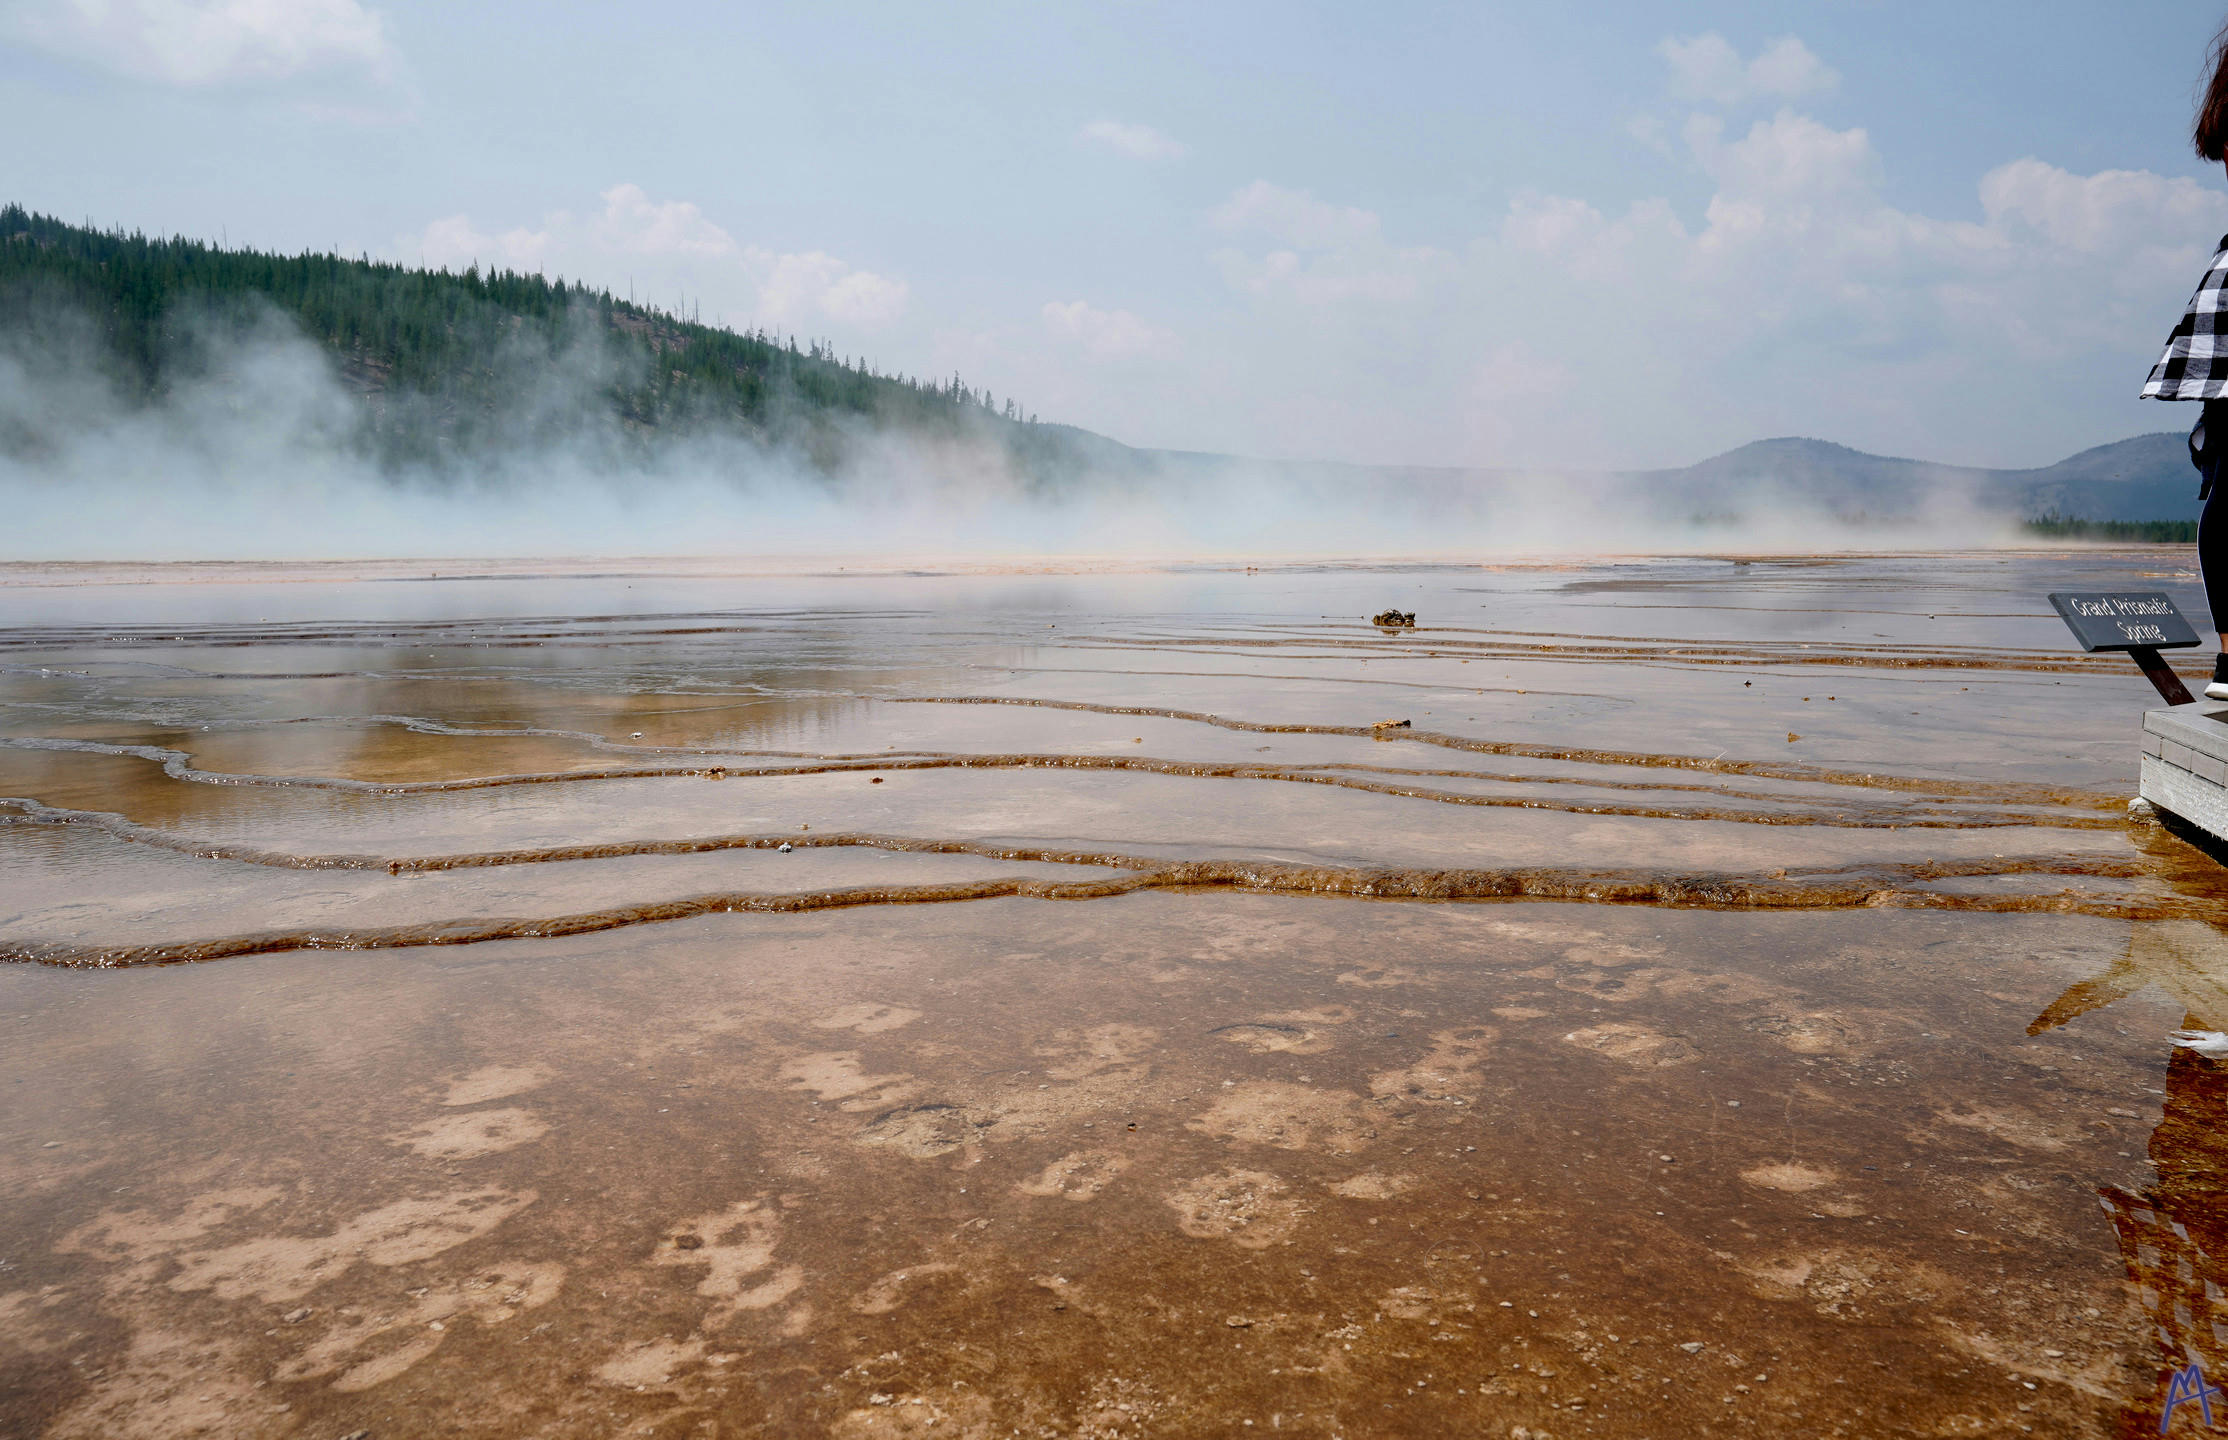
(2147, 477)
(445, 366)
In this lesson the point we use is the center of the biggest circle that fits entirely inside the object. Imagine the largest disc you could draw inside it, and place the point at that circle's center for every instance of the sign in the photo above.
(2123, 619)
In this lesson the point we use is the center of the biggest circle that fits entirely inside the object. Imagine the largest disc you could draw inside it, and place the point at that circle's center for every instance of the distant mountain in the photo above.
(2148, 477)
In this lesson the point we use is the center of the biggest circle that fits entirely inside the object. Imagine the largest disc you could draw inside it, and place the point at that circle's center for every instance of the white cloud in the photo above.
(1787, 69)
(1550, 224)
(1381, 275)
(1796, 299)
(453, 243)
(668, 252)
(1804, 295)
(1322, 253)
(2110, 212)
(1788, 157)
(804, 288)
(1583, 241)
(1138, 142)
(1295, 217)
(631, 221)
(1648, 130)
(1707, 67)
(200, 43)
(1105, 334)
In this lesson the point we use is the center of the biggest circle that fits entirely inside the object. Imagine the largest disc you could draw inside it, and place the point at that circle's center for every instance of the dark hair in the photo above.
(2210, 133)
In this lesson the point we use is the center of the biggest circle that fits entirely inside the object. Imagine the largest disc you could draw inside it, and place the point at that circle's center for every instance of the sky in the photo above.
(1616, 235)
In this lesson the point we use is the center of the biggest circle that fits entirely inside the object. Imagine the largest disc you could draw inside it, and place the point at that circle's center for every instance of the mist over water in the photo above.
(257, 450)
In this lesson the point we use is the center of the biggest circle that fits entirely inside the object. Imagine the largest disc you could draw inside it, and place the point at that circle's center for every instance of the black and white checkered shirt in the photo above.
(2195, 365)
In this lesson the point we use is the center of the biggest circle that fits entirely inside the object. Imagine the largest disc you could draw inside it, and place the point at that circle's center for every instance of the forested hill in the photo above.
(444, 364)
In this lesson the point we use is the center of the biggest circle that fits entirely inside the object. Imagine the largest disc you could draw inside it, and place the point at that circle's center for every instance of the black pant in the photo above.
(2212, 526)
(2212, 556)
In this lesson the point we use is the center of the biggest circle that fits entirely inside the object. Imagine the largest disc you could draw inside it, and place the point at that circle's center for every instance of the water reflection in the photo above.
(2173, 1234)
(2188, 959)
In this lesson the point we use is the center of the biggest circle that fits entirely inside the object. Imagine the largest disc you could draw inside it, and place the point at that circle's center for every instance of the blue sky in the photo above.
(1617, 234)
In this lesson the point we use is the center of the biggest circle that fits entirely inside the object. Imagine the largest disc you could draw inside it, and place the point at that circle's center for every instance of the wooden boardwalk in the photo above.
(2185, 764)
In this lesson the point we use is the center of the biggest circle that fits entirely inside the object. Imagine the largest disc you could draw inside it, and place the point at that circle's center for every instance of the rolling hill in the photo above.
(441, 368)
(2147, 477)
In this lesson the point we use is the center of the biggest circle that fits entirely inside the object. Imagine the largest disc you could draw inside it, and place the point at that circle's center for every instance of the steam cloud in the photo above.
(258, 451)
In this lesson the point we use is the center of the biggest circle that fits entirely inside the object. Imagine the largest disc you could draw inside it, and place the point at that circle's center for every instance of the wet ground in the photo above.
(666, 1002)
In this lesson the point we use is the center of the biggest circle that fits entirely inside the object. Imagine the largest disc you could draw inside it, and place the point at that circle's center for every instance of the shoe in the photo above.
(2218, 689)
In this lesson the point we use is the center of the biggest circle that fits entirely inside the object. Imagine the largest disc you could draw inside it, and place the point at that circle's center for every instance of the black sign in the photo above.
(2123, 619)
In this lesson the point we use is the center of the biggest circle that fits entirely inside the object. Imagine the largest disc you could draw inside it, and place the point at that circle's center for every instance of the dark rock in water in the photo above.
(1395, 619)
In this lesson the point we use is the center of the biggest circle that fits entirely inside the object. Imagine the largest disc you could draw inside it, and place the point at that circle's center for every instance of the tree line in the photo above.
(442, 353)
(2146, 532)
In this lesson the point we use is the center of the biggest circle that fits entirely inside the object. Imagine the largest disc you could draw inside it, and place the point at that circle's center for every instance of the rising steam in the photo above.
(261, 448)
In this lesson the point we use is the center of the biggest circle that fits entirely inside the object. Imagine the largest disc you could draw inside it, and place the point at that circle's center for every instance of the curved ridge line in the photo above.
(1712, 891)
(177, 765)
(124, 828)
(1701, 653)
(1761, 769)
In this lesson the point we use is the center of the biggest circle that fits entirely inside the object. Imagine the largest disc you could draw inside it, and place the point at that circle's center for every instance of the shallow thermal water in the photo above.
(521, 1001)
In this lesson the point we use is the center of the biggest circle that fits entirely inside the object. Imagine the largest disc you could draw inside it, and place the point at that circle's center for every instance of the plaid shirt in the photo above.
(2195, 365)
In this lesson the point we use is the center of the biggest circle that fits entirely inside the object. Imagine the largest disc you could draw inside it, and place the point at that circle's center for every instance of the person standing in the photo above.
(2195, 367)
